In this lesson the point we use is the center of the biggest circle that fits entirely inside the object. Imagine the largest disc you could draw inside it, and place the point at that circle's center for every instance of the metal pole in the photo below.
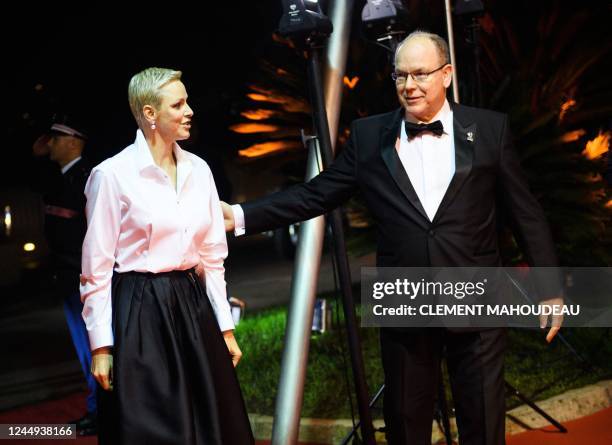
(299, 320)
(293, 367)
(337, 50)
(535, 407)
(451, 48)
(335, 63)
(344, 272)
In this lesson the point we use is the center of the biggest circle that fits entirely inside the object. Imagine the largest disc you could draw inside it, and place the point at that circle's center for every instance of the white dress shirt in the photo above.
(429, 161)
(138, 221)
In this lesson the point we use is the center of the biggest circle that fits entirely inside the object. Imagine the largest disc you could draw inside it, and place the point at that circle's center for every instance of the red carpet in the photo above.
(592, 430)
(53, 411)
(595, 429)
(56, 411)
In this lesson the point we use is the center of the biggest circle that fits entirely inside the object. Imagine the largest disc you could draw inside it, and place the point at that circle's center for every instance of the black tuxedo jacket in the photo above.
(464, 231)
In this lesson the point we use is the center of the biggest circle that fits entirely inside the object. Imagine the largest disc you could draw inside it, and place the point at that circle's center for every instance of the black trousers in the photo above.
(174, 383)
(411, 362)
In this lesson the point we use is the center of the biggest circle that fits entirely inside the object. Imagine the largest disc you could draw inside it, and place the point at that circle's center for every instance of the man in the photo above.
(434, 177)
(65, 227)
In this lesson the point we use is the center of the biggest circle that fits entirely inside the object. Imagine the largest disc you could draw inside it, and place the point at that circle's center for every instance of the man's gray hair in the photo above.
(438, 41)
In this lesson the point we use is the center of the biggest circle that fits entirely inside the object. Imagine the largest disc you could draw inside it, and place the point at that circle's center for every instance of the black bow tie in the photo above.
(413, 129)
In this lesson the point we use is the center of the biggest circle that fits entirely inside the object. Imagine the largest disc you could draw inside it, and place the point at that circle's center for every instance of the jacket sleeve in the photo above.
(530, 227)
(323, 193)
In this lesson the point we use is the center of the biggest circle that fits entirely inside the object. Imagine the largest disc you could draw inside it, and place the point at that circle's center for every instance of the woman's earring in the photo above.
(153, 127)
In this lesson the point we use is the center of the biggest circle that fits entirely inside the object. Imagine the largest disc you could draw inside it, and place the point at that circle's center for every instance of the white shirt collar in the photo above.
(444, 115)
(144, 159)
(66, 167)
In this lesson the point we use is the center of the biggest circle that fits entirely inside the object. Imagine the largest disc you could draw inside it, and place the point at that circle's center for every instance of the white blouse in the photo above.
(138, 221)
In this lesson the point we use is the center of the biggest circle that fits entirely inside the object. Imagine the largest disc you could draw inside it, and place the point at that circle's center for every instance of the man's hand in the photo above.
(228, 217)
(102, 367)
(41, 146)
(232, 346)
(556, 320)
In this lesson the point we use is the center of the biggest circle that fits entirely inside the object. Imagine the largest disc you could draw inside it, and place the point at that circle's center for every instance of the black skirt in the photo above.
(173, 378)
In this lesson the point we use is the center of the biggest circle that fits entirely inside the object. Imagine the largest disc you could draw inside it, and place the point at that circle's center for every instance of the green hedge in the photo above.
(538, 370)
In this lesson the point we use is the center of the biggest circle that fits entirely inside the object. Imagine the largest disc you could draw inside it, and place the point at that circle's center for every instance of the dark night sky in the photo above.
(86, 60)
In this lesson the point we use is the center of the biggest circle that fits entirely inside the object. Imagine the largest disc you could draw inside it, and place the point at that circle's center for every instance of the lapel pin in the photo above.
(470, 136)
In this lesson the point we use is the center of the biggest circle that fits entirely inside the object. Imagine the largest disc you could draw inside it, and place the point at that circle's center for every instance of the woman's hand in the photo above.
(232, 346)
(102, 367)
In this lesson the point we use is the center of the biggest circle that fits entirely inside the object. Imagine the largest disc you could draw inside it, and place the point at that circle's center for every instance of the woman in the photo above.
(153, 252)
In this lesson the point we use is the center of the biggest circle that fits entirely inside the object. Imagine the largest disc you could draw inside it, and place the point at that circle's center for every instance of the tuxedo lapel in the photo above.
(465, 135)
(389, 139)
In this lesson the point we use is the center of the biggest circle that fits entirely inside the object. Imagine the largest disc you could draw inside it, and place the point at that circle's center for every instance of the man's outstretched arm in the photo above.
(301, 202)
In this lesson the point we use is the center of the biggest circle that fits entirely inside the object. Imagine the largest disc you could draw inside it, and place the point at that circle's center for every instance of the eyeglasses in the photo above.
(401, 77)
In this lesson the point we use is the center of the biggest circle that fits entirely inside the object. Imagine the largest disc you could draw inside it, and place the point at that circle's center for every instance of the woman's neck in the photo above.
(161, 150)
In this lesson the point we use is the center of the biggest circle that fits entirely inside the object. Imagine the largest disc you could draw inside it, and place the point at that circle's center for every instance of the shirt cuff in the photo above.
(224, 318)
(100, 336)
(239, 228)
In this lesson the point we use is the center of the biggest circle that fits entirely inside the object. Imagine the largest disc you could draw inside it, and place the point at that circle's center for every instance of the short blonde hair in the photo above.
(144, 90)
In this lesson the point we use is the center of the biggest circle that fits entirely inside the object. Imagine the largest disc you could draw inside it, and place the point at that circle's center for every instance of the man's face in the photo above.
(59, 147)
(423, 99)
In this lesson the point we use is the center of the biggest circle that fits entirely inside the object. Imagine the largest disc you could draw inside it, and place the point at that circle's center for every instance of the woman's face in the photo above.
(173, 120)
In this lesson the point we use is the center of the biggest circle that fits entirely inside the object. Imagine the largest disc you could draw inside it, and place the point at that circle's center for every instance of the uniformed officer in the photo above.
(65, 227)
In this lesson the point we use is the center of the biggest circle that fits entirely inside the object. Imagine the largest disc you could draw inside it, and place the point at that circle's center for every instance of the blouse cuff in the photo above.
(100, 336)
(224, 318)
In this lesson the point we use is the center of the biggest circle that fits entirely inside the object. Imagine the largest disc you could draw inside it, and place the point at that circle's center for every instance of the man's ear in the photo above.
(447, 71)
(76, 143)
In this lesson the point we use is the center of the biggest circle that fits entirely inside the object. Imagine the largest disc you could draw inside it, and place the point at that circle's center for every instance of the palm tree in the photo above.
(542, 62)
(546, 69)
